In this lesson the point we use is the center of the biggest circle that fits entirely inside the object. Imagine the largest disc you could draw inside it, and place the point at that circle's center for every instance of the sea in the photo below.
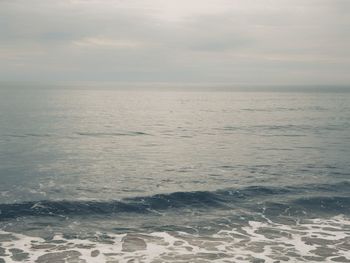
(103, 174)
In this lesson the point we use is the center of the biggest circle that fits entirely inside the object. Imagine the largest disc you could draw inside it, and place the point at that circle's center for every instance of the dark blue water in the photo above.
(96, 175)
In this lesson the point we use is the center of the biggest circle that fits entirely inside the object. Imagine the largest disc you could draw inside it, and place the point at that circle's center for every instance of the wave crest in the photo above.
(291, 199)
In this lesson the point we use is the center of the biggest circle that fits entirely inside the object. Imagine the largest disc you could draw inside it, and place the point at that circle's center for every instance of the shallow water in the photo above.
(95, 175)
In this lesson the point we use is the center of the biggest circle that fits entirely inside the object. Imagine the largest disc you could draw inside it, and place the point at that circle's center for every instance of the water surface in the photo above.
(174, 176)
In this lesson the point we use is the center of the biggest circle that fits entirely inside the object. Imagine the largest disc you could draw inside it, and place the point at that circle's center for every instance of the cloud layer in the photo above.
(200, 41)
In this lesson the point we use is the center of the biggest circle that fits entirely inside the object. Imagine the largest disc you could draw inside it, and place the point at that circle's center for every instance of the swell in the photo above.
(89, 134)
(109, 134)
(270, 200)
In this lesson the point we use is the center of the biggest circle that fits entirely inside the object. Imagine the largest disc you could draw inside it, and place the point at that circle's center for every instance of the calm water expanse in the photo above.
(103, 175)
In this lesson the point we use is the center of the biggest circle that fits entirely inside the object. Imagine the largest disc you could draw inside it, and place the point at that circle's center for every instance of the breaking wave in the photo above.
(271, 200)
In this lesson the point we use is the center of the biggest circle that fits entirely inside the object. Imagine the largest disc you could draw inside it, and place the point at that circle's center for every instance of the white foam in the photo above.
(267, 241)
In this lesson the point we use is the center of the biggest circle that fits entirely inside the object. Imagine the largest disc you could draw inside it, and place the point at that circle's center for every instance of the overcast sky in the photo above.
(200, 41)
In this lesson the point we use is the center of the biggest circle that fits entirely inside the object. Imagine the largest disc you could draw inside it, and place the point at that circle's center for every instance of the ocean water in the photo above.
(103, 175)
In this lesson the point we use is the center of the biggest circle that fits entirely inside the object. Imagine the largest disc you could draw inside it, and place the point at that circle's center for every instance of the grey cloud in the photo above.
(282, 41)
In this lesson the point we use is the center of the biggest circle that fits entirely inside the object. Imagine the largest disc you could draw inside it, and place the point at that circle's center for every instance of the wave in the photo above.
(90, 134)
(103, 134)
(295, 199)
(284, 130)
(332, 205)
(25, 135)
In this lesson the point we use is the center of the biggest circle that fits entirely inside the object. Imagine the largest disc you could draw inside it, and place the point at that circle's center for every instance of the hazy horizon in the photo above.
(168, 86)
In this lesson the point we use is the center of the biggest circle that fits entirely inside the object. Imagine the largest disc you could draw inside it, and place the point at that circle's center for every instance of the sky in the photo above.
(292, 42)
